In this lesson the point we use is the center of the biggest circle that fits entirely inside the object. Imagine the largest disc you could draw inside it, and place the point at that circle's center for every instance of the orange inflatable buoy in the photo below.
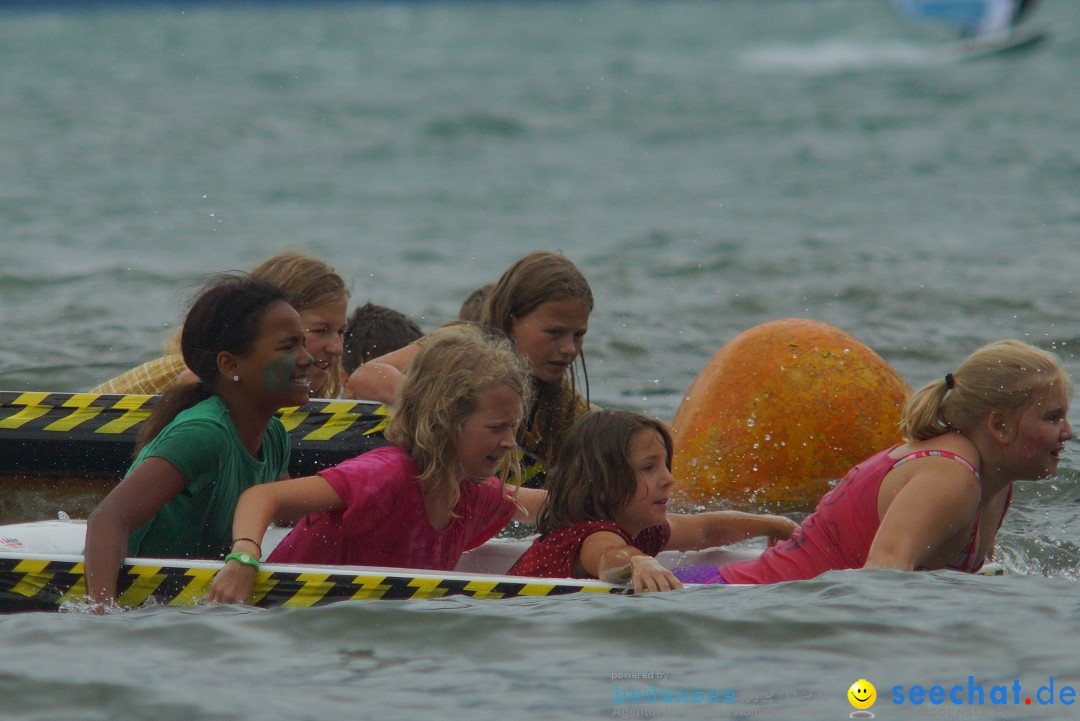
(780, 412)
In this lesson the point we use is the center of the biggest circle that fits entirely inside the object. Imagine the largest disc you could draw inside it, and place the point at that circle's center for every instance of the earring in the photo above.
(236, 379)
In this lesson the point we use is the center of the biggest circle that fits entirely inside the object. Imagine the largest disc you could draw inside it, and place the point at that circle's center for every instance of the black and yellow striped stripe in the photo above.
(93, 434)
(44, 584)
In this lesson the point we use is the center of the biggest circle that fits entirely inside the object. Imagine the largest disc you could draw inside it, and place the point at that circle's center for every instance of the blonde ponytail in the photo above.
(1001, 376)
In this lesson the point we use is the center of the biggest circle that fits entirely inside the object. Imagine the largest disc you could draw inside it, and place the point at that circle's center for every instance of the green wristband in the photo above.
(245, 558)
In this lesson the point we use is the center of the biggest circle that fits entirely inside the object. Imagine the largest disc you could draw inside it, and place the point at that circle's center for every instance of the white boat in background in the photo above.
(985, 27)
(1015, 40)
(970, 18)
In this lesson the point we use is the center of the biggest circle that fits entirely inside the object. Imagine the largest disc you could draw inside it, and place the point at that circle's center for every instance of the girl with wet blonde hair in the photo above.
(542, 303)
(1001, 376)
(421, 501)
(442, 389)
(937, 500)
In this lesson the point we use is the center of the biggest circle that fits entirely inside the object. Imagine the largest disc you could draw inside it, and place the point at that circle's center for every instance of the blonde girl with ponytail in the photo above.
(937, 500)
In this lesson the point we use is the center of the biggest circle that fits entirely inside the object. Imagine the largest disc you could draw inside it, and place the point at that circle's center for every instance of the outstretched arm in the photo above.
(528, 502)
(605, 556)
(258, 506)
(379, 378)
(697, 531)
(133, 502)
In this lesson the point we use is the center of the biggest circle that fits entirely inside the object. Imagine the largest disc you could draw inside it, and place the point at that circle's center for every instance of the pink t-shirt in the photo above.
(553, 554)
(384, 523)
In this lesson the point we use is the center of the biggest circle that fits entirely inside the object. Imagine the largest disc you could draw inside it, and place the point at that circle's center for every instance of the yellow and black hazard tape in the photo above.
(533, 468)
(93, 434)
(44, 584)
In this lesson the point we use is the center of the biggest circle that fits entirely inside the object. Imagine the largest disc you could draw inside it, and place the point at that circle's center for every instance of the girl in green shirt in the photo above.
(209, 440)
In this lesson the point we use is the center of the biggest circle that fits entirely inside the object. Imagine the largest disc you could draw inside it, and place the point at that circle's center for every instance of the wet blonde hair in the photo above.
(595, 476)
(442, 387)
(310, 283)
(542, 277)
(1002, 376)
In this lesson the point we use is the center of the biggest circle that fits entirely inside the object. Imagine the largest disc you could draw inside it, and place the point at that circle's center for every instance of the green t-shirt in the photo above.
(201, 442)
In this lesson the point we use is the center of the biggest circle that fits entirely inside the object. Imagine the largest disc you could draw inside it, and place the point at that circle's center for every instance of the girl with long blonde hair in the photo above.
(421, 501)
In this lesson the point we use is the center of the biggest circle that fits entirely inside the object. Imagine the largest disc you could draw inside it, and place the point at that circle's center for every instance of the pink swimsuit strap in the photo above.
(941, 454)
(965, 560)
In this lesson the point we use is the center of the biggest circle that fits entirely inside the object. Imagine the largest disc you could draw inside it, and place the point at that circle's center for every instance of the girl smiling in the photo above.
(209, 440)
(421, 501)
(937, 500)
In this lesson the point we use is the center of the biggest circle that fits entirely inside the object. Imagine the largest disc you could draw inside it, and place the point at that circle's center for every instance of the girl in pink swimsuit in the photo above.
(937, 500)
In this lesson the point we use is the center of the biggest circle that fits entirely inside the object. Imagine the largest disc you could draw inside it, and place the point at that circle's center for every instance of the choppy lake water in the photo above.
(709, 165)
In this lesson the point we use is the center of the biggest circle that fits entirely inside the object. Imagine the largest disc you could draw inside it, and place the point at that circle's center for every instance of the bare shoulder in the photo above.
(398, 358)
(941, 493)
(927, 472)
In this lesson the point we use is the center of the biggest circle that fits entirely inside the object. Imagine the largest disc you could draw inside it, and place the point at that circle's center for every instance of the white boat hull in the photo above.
(41, 569)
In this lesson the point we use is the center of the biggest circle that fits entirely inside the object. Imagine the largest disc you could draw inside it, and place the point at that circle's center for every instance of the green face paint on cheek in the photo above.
(278, 375)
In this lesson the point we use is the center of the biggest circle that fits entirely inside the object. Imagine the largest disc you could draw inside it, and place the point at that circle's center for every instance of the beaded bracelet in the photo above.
(245, 558)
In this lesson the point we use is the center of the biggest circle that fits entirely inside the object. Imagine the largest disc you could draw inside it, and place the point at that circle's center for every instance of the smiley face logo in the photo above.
(862, 694)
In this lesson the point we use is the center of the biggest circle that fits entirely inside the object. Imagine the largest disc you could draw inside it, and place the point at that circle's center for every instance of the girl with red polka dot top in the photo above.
(606, 512)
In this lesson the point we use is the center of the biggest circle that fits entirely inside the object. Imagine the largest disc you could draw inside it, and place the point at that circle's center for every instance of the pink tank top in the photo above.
(839, 532)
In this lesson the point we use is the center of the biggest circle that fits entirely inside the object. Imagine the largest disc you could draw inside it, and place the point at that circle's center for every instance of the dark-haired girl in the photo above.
(206, 441)
(606, 512)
